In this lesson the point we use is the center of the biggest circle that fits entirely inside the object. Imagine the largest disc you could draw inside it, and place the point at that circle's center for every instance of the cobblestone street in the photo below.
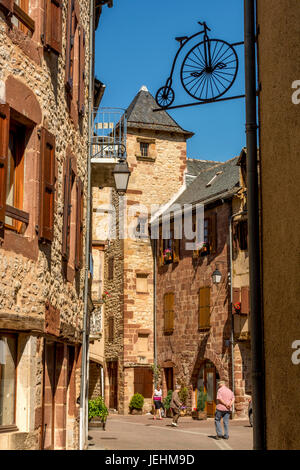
(143, 433)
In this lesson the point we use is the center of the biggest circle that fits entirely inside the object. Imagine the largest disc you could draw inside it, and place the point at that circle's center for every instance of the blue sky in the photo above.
(135, 46)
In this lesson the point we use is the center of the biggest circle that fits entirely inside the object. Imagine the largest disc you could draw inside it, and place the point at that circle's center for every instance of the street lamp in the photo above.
(216, 276)
(121, 174)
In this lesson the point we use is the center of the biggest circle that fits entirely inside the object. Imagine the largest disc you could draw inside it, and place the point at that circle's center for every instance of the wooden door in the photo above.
(210, 389)
(169, 378)
(48, 396)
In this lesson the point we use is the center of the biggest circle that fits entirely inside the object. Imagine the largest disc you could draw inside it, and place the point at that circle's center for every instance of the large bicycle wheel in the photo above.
(204, 81)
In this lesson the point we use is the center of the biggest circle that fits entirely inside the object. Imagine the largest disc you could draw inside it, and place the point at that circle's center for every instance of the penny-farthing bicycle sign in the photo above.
(207, 72)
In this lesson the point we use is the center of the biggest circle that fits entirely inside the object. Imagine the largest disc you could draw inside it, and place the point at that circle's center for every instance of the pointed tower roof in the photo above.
(140, 115)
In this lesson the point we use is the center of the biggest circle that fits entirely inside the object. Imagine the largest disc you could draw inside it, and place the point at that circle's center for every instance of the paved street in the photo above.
(142, 432)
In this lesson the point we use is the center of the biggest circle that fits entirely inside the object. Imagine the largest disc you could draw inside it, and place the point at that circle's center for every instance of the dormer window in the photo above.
(144, 147)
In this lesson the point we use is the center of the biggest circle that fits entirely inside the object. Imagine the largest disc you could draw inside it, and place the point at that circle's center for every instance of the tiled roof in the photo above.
(227, 180)
(140, 115)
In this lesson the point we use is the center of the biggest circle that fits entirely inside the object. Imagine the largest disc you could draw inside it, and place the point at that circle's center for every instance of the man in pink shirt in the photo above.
(225, 400)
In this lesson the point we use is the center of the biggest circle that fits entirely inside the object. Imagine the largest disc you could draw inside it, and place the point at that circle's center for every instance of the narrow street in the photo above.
(143, 433)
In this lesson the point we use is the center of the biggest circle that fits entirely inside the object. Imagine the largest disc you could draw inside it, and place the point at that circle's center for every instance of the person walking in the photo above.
(158, 404)
(225, 400)
(175, 405)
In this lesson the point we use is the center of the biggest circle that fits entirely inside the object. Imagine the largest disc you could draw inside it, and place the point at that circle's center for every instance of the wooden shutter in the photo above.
(7, 5)
(71, 27)
(81, 93)
(53, 25)
(110, 329)
(138, 380)
(204, 307)
(79, 224)
(245, 306)
(161, 251)
(176, 250)
(169, 313)
(4, 140)
(148, 383)
(47, 186)
(110, 268)
(213, 234)
(67, 209)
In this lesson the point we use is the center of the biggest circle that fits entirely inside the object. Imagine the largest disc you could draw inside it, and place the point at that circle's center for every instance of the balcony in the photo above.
(108, 144)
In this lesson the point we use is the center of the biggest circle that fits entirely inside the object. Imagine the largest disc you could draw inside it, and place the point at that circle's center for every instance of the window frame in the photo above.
(11, 427)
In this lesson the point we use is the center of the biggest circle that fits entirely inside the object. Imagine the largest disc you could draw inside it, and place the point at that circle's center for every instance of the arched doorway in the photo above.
(208, 378)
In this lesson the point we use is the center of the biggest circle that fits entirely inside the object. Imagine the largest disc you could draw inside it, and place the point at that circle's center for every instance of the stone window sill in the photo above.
(140, 158)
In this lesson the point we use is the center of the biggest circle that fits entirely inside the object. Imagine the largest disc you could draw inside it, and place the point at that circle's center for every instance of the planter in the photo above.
(200, 415)
(97, 423)
(133, 411)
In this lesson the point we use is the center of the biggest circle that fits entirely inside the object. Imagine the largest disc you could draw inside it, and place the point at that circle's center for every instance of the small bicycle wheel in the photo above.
(204, 81)
(165, 96)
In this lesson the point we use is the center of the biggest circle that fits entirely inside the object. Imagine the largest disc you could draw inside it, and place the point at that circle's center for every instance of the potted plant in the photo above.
(136, 404)
(199, 413)
(167, 254)
(183, 395)
(204, 250)
(237, 307)
(166, 404)
(98, 412)
(105, 295)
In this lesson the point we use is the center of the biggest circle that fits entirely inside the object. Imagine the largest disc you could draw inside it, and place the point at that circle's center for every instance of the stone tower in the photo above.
(156, 155)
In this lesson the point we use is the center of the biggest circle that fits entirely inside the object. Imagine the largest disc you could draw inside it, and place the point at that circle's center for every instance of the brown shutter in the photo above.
(67, 209)
(7, 5)
(53, 25)
(138, 380)
(110, 268)
(47, 186)
(110, 329)
(245, 307)
(160, 249)
(70, 45)
(176, 250)
(213, 234)
(79, 224)
(204, 307)
(81, 94)
(4, 140)
(148, 383)
(168, 312)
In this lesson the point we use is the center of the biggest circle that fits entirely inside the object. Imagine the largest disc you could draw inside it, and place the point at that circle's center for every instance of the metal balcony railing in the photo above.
(96, 322)
(109, 134)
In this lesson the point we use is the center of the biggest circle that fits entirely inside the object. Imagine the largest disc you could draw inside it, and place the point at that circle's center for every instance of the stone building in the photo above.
(196, 333)
(44, 75)
(156, 153)
(279, 143)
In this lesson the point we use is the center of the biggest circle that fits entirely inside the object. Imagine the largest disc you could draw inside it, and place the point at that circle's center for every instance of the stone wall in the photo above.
(33, 83)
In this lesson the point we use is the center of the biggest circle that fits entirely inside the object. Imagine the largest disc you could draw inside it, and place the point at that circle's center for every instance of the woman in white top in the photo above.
(158, 404)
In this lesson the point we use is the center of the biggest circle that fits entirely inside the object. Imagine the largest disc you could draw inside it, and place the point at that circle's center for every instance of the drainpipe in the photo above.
(154, 302)
(258, 399)
(231, 302)
(83, 431)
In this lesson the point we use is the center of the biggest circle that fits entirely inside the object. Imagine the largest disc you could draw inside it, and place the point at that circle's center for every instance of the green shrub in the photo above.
(168, 399)
(183, 395)
(97, 409)
(136, 402)
(202, 397)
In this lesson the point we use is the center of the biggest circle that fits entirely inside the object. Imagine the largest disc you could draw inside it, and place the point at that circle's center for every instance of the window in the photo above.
(20, 11)
(169, 249)
(8, 363)
(242, 234)
(210, 242)
(204, 308)
(142, 228)
(144, 147)
(13, 136)
(15, 173)
(143, 381)
(168, 313)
